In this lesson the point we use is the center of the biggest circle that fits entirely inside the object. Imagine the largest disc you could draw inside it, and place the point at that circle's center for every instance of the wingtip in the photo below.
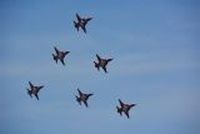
(91, 94)
(78, 90)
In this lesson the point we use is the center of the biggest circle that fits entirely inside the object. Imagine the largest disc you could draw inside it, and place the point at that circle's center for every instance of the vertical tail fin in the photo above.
(96, 65)
(119, 110)
(29, 92)
(78, 100)
(55, 58)
(76, 25)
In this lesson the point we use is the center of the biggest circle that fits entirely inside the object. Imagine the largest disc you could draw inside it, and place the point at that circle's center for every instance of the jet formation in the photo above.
(59, 55)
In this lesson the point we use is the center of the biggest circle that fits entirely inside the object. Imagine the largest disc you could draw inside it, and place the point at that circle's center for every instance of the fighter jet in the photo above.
(124, 108)
(34, 90)
(81, 23)
(102, 63)
(60, 55)
(83, 97)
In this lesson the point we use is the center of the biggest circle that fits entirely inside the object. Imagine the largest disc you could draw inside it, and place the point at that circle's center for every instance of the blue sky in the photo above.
(155, 47)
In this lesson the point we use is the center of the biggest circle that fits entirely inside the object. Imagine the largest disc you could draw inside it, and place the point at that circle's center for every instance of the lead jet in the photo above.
(33, 90)
(60, 55)
(124, 108)
(102, 63)
(81, 22)
(83, 97)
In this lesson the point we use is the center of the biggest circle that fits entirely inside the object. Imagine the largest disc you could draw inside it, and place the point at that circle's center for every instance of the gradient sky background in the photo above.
(156, 64)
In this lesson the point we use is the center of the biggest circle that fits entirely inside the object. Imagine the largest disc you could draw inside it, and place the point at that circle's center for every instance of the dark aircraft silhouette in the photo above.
(60, 55)
(83, 97)
(34, 90)
(102, 63)
(81, 23)
(124, 108)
